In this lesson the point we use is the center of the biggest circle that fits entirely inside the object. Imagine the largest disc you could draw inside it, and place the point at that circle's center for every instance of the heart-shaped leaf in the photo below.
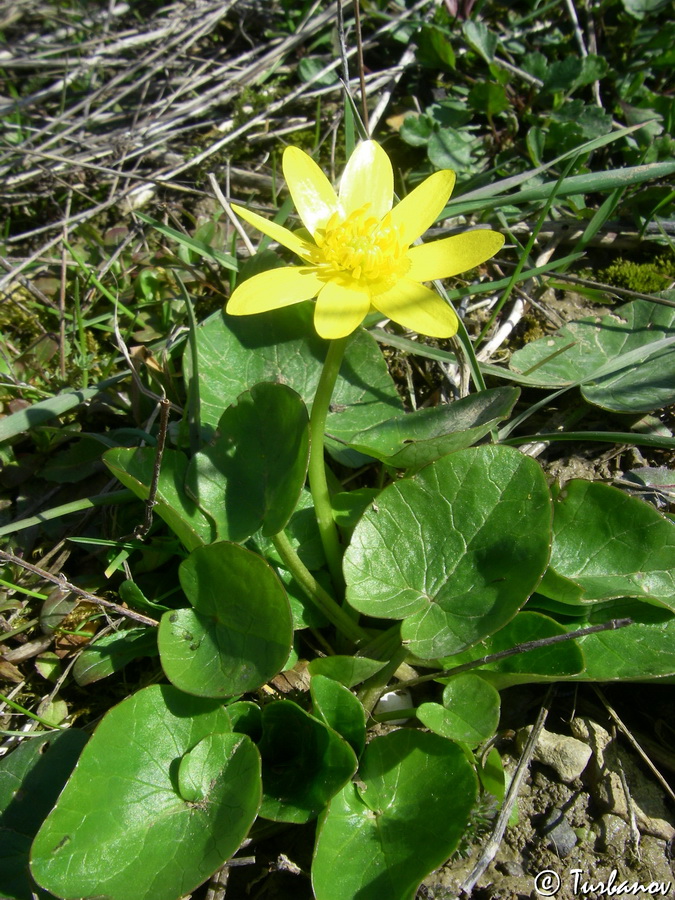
(238, 632)
(380, 837)
(121, 828)
(470, 710)
(251, 474)
(644, 383)
(135, 468)
(606, 545)
(455, 551)
(304, 763)
(237, 352)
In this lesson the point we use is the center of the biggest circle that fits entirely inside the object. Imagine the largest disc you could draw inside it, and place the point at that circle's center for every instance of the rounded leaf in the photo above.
(251, 475)
(238, 632)
(304, 763)
(454, 551)
(470, 710)
(121, 828)
(380, 837)
(610, 545)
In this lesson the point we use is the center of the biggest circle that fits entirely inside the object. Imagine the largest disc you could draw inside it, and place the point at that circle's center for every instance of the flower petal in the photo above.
(368, 178)
(312, 193)
(452, 255)
(277, 232)
(340, 310)
(418, 308)
(420, 209)
(273, 289)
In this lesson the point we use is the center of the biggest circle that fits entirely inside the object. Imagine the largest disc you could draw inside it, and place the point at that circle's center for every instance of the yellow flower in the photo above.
(357, 250)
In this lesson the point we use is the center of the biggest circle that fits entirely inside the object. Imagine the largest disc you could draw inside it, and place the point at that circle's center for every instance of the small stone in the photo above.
(512, 868)
(566, 755)
(561, 836)
(614, 833)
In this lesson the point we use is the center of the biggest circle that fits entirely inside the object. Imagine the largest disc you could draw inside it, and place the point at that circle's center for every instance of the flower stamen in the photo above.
(362, 248)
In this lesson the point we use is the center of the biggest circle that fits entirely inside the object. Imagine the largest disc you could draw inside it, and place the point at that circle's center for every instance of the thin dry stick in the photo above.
(230, 215)
(359, 59)
(66, 585)
(492, 846)
(62, 292)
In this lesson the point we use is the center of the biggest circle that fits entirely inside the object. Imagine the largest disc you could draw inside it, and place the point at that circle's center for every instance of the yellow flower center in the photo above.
(364, 248)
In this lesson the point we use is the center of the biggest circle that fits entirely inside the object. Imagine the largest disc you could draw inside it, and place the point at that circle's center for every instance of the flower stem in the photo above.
(317, 468)
(319, 597)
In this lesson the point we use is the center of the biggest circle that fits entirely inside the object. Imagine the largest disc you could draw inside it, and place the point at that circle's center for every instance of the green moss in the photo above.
(645, 277)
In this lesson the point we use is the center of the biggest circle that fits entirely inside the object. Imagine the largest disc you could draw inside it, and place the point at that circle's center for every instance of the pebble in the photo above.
(566, 755)
(561, 836)
(614, 833)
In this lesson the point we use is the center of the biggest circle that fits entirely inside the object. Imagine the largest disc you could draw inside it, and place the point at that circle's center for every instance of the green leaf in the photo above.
(251, 475)
(134, 468)
(550, 662)
(593, 68)
(535, 64)
(141, 840)
(238, 633)
(414, 439)
(609, 545)
(641, 383)
(406, 815)
(452, 149)
(78, 461)
(488, 97)
(113, 652)
(588, 121)
(304, 763)
(482, 199)
(642, 8)
(237, 352)
(348, 670)
(638, 652)
(131, 594)
(434, 49)
(481, 39)
(416, 130)
(562, 75)
(349, 506)
(31, 778)
(470, 710)
(335, 705)
(454, 551)
(492, 775)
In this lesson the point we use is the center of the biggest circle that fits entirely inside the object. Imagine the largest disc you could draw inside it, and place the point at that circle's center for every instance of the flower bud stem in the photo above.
(318, 483)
